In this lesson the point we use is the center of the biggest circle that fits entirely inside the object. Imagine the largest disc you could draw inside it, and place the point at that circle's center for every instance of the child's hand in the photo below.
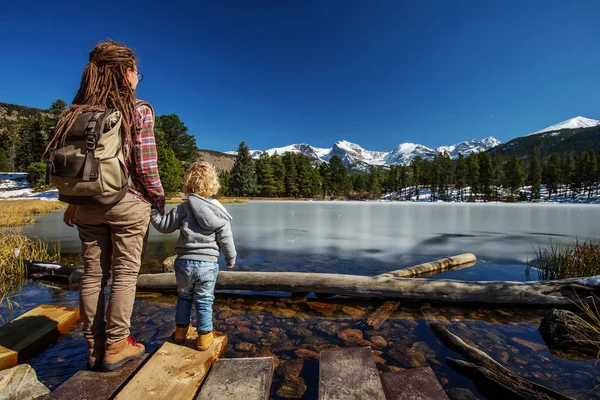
(231, 266)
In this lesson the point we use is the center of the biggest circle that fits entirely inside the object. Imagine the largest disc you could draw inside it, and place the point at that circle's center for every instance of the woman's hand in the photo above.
(69, 217)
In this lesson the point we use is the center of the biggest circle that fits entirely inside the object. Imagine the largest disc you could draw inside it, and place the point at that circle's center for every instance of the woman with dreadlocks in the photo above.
(113, 236)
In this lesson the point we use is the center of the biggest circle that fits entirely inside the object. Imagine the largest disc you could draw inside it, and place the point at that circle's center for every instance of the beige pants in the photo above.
(112, 239)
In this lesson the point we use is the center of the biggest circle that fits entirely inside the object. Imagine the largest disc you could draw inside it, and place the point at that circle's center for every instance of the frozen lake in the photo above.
(372, 237)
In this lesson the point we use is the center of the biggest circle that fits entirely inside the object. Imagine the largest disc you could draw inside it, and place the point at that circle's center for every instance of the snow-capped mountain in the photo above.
(404, 153)
(353, 155)
(469, 146)
(357, 158)
(573, 123)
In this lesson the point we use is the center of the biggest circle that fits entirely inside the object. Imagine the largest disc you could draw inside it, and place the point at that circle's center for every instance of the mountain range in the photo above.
(565, 136)
(356, 158)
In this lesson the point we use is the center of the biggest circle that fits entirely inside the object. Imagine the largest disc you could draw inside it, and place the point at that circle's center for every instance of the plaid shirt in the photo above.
(143, 167)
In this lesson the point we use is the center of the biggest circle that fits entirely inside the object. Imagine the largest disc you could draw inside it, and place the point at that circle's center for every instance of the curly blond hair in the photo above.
(201, 179)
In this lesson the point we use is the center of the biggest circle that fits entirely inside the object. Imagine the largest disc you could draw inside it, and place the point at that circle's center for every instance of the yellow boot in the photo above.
(205, 340)
(180, 334)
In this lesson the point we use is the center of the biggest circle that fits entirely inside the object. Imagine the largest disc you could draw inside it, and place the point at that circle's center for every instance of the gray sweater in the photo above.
(204, 228)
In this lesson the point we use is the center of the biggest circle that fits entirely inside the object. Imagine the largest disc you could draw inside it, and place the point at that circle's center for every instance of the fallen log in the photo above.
(542, 293)
(64, 273)
(489, 374)
(380, 315)
(435, 267)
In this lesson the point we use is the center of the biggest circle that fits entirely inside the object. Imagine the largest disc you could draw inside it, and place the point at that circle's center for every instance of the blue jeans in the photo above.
(195, 283)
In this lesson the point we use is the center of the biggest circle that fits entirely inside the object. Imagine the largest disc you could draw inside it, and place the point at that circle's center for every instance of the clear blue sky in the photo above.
(272, 73)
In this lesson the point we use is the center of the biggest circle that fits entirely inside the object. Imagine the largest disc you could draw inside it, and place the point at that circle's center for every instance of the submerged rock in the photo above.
(21, 382)
(567, 335)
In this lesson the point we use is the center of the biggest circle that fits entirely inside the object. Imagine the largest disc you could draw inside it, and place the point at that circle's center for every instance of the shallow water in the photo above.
(294, 330)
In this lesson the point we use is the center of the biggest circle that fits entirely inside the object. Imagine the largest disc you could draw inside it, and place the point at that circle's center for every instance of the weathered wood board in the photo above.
(86, 385)
(239, 379)
(415, 383)
(30, 333)
(349, 374)
(174, 371)
(380, 315)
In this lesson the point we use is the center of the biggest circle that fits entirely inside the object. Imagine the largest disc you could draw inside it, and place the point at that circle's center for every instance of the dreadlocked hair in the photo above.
(103, 85)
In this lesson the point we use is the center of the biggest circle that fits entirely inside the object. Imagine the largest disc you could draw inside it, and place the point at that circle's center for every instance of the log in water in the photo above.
(541, 293)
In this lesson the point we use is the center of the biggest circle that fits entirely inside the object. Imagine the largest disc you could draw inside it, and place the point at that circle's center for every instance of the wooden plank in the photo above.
(415, 383)
(174, 371)
(239, 379)
(85, 385)
(349, 374)
(380, 315)
(27, 335)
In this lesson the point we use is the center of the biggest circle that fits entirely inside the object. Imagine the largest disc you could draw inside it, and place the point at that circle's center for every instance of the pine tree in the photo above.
(57, 106)
(265, 178)
(375, 182)
(569, 174)
(243, 174)
(499, 175)
(305, 176)
(170, 168)
(535, 176)
(446, 176)
(486, 174)
(552, 173)
(33, 138)
(515, 175)
(339, 180)
(177, 137)
(325, 172)
(224, 179)
(291, 175)
(435, 178)
(4, 164)
(460, 172)
(278, 175)
(417, 169)
(472, 174)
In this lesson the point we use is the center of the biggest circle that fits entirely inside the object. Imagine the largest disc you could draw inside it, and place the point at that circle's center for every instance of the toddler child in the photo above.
(204, 229)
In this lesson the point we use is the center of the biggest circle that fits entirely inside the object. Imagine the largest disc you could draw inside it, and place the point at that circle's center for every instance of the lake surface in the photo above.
(367, 238)
(356, 238)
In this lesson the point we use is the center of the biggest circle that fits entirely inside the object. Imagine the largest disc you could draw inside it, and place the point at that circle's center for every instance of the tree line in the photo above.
(479, 176)
(23, 142)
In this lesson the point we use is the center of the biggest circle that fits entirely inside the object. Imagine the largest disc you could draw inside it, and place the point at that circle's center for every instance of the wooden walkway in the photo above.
(181, 372)
(177, 372)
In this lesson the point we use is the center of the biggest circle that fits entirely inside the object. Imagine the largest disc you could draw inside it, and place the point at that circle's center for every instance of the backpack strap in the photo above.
(92, 134)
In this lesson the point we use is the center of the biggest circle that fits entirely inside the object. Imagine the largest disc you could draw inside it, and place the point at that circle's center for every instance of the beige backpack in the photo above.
(88, 167)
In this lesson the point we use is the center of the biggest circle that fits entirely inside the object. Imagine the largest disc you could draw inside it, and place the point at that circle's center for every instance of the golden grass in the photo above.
(14, 250)
(19, 212)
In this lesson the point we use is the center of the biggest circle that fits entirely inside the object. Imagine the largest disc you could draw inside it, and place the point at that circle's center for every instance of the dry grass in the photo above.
(19, 212)
(14, 250)
(580, 259)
